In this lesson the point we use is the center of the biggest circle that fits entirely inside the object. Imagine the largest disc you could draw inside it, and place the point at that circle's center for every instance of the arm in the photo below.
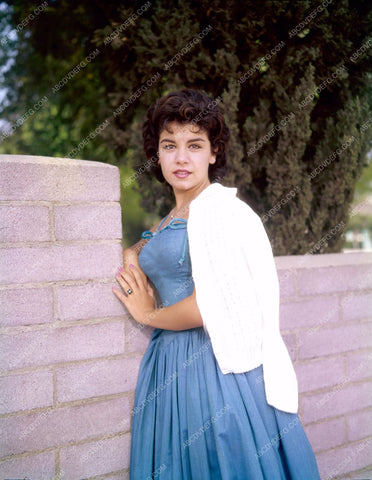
(182, 315)
(130, 254)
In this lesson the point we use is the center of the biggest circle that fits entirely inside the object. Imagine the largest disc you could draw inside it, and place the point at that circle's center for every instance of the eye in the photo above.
(195, 146)
(168, 146)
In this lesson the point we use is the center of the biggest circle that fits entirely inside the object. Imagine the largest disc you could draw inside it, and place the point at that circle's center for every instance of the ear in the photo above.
(213, 158)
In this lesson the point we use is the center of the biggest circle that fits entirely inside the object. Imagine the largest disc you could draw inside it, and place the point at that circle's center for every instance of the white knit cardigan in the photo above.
(237, 291)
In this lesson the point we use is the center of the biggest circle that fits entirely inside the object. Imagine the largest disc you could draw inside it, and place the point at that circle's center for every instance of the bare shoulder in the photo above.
(137, 247)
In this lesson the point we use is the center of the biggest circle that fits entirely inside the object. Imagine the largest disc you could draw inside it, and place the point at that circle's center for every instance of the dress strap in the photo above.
(161, 223)
(149, 234)
(182, 259)
(174, 224)
(177, 222)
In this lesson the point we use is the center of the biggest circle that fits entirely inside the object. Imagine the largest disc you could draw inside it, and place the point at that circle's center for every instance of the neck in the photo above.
(185, 197)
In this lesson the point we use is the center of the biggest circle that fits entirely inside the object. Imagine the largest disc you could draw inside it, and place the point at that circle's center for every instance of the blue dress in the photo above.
(192, 422)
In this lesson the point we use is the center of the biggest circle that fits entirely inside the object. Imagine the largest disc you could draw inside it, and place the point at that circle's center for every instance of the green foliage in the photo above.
(304, 93)
(134, 218)
(45, 53)
(364, 185)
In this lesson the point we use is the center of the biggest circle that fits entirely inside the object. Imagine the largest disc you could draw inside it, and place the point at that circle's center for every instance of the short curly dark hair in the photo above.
(187, 106)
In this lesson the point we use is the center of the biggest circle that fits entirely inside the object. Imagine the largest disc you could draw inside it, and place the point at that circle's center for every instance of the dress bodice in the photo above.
(165, 259)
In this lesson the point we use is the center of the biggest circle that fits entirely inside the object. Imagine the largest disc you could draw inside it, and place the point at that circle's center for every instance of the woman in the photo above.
(217, 393)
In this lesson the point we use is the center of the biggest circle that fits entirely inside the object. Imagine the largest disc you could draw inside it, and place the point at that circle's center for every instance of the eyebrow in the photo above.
(188, 141)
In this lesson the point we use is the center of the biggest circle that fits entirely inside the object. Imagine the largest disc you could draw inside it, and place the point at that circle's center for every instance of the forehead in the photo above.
(180, 129)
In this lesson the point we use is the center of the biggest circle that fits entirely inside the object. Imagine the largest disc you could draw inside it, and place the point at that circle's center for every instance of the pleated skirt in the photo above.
(192, 422)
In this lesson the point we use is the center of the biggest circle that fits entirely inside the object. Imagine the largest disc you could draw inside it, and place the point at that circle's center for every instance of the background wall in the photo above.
(326, 314)
(70, 354)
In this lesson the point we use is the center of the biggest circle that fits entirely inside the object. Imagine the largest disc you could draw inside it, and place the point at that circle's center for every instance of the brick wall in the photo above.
(70, 355)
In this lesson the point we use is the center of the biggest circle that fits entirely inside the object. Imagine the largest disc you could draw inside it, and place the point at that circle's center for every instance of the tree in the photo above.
(44, 56)
(294, 79)
(298, 115)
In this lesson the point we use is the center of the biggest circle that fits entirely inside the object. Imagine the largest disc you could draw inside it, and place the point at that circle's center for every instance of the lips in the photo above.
(182, 173)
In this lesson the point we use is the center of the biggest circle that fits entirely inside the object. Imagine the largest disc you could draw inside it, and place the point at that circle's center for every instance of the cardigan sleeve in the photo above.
(259, 260)
(279, 375)
(237, 292)
(224, 291)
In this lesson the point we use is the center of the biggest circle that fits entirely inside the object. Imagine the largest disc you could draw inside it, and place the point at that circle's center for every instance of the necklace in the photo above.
(185, 208)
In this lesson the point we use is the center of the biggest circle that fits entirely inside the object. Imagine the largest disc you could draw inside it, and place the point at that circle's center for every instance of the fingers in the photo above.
(133, 280)
(140, 300)
(120, 295)
(126, 282)
(130, 264)
(139, 278)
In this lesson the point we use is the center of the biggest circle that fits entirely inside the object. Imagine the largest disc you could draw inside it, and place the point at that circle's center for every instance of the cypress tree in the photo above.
(295, 82)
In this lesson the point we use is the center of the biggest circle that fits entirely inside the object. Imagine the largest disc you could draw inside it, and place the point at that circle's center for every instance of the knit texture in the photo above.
(237, 291)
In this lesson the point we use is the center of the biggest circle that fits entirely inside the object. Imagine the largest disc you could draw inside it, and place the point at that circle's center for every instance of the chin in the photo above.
(179, 182)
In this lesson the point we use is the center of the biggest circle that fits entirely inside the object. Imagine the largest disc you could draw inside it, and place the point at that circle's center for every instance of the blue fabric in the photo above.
(192, 422)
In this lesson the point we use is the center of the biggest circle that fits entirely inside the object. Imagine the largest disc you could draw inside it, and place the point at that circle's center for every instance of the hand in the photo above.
(141, 301)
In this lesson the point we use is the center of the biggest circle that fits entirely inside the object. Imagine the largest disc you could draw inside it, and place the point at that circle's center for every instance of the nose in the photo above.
(182, 156)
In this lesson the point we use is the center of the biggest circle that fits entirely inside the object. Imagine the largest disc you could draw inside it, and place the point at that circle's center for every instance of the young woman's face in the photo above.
(184, 156)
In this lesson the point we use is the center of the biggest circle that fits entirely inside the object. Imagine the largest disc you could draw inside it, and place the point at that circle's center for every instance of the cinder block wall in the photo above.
(70, 355)
(68, 366)
(326, 322)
